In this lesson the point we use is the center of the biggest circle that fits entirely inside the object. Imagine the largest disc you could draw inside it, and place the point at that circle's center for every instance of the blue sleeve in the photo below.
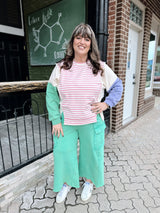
(114, 93)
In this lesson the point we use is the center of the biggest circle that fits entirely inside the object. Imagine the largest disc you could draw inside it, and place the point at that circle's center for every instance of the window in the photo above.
(136, 14)
(10, 13)
(151, 53)
(157, 65)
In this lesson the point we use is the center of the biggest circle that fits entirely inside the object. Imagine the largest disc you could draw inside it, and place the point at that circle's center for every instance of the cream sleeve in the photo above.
(55, 76)
(108, 77)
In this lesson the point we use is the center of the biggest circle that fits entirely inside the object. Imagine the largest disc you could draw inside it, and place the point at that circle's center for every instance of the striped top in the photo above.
(78, 88)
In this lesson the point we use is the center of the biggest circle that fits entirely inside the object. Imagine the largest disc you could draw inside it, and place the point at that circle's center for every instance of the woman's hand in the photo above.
(57, 130)
(99, 107)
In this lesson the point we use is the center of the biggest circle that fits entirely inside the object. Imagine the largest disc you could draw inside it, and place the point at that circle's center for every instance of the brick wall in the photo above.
(118, 27)
(152, 6)
(112, 32)
(144, 61)
(117, 50)
(148, 105)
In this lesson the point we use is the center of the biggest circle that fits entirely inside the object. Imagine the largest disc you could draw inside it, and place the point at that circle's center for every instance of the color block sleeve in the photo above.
(113, 86)
(55, 75)
(52, 97)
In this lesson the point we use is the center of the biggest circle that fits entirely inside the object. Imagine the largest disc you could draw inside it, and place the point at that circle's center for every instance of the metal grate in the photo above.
(24, 138)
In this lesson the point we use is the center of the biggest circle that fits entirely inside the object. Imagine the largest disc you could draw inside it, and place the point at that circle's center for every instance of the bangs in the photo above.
(84, 31)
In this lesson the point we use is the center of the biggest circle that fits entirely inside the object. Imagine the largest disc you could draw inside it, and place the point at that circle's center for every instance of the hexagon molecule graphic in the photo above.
(57, 31)
(44, 40)
(53, 34)
(41, 40)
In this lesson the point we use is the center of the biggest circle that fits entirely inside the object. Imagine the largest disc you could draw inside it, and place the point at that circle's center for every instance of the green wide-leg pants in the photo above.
(91, 154)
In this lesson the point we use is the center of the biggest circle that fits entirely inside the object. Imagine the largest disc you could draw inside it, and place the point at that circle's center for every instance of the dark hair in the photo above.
(93, 55)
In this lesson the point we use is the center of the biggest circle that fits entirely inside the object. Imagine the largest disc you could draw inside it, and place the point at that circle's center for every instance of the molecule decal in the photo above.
(53, 34)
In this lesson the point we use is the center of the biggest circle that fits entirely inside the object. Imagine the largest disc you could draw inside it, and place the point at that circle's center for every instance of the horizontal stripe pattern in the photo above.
(78, 89)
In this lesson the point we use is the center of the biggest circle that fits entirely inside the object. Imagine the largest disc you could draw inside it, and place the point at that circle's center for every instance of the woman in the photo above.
(74, 92)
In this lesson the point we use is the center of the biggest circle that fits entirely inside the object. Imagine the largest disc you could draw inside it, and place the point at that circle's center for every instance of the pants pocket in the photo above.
(99, 128)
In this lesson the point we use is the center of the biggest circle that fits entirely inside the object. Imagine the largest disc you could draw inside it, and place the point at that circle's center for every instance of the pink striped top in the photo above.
(78, 89)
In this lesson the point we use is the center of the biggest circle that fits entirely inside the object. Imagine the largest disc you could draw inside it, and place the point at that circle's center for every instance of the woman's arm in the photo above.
(114, 93)
(113, 86)
(53, 104)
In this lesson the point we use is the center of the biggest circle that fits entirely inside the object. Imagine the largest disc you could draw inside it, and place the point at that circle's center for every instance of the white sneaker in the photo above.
(61, 196)
(87, 191)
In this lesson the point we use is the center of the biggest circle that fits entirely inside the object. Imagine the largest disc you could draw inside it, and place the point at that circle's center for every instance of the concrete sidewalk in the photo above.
(132, 176)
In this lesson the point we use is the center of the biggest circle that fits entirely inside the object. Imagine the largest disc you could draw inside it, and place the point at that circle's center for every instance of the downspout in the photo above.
(102, 27)
(97, 17)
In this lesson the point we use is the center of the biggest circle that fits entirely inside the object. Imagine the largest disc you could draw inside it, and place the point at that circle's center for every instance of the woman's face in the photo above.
(81, 45)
